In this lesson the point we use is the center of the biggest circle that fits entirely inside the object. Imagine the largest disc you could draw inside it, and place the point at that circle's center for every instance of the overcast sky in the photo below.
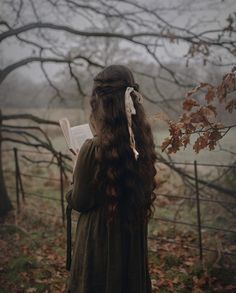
(191, 14)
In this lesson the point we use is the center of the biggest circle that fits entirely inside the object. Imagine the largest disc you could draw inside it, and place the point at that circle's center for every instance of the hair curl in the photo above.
(129, 184)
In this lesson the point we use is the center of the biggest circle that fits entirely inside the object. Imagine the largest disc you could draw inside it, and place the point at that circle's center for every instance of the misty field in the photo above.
(160, 131)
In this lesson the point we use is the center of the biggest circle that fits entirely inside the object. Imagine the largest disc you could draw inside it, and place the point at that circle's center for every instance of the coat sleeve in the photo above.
(82, 195)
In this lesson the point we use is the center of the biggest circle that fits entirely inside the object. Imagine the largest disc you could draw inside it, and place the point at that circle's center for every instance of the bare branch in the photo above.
(29, 117)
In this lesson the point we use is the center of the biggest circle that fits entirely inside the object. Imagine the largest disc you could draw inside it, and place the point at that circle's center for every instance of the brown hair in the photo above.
(128, 183)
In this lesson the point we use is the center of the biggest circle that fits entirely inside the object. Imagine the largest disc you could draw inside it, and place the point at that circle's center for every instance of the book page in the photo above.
(66, 129)
(79, 134)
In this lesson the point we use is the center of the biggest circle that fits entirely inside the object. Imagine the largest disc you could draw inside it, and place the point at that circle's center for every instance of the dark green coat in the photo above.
(106, 259)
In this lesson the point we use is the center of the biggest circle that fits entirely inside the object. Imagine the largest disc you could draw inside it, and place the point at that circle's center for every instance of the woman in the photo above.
(114, 191)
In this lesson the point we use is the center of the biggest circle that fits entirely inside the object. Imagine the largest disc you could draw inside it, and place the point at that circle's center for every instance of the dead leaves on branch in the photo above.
(200, 118)
(231, 106)
(189, 103)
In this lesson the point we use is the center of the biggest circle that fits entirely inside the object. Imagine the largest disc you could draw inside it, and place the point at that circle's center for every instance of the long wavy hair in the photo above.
(128, 184)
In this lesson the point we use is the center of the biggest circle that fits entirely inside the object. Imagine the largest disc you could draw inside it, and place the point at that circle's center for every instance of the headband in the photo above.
(130, 110)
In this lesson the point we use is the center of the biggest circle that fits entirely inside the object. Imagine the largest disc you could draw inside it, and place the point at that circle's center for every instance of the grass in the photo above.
(33, 258)
(32, 261)
(171, 260)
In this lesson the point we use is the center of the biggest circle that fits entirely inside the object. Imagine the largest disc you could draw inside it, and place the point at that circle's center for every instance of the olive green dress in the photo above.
(106, 258)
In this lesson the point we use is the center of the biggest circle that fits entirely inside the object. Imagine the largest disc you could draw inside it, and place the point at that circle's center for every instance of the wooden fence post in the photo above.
(20, 179)
(62, 189)
(6, 204)
(17, 180)
(198, 211)
(68, 238)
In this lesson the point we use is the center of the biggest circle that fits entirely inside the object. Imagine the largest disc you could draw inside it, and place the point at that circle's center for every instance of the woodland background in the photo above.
(183, 55)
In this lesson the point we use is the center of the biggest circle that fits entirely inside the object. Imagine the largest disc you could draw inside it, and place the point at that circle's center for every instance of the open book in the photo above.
(75, 136)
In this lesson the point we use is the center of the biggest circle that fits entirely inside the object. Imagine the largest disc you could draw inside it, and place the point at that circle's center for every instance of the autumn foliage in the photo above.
(201, 118)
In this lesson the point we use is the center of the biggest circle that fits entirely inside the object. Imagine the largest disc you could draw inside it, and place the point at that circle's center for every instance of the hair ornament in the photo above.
(130, 110)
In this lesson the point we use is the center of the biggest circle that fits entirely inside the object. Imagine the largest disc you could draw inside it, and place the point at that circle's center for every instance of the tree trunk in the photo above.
(5, 203)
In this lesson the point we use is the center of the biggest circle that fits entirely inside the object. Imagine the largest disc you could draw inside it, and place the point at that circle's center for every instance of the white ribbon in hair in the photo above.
(130, 110)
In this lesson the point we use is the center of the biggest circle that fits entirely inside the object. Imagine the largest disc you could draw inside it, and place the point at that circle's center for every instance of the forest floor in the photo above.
(33, 256)
(33, 243)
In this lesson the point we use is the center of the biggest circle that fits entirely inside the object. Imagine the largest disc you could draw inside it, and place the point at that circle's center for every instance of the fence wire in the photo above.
(19, 188)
